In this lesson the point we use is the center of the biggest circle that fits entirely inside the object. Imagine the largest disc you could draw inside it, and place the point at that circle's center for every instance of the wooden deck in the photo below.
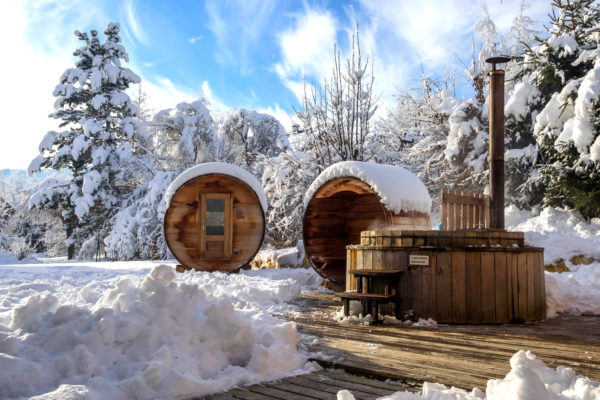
(465, 356)
(456, 355)
(322, 385)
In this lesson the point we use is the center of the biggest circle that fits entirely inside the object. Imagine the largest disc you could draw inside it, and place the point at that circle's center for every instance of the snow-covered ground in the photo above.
(137, 330)
(87, 330)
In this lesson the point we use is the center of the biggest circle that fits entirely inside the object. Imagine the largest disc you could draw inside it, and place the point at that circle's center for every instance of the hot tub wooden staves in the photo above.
(475, 277)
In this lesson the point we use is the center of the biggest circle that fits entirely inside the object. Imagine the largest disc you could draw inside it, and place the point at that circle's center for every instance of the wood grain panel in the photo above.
(444, 287)
(473, 287)
(459, 295)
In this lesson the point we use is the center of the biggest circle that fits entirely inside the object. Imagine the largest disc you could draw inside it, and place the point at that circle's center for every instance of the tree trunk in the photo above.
(70, 247)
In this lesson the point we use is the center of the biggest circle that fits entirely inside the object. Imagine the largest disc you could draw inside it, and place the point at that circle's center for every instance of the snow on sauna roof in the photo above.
(217, 168)
(398, 188)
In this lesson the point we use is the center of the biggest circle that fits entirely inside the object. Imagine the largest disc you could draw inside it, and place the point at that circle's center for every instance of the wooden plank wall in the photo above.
(464, 210)
(475, 286)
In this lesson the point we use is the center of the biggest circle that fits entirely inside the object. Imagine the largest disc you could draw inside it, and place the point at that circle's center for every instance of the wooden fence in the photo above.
(465, 210)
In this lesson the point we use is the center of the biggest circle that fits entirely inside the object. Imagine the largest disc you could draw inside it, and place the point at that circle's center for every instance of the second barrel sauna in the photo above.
(352, 196)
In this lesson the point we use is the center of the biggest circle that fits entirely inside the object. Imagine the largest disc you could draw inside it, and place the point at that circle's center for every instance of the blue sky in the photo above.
(251, 54)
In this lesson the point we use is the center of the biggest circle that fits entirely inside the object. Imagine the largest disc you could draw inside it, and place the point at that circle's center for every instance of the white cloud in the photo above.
(214, 102)
(396, 35)
(133, 23)
(194, 39)
(37, 49)
(162, 93)
(40, 49)
(307, 49)
(238, 29)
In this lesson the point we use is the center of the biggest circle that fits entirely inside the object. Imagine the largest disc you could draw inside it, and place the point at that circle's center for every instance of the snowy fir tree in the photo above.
(97, 118)
(557, 101)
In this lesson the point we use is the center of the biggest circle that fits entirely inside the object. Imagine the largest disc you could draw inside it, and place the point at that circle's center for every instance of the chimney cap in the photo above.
(497, 60)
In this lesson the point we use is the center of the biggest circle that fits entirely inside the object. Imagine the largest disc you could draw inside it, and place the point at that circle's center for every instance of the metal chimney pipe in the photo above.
(496, 141)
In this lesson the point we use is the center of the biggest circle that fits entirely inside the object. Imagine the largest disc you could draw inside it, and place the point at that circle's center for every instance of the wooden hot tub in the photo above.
(471, 276)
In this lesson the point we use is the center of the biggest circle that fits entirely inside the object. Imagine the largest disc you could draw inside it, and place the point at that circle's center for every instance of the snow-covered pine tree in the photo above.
(523, 104)
(561, 82)
(98, 120)
(138, 226)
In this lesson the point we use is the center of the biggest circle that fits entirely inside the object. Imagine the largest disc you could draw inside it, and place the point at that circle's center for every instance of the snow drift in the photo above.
(146, 337)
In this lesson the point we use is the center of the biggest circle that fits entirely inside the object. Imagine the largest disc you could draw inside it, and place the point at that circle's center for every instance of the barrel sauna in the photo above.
(350, 197)
(470, 276)
(215, 217)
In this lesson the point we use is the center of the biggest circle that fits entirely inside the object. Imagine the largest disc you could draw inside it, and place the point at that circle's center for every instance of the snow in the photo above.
(562, 233)
(579, 129)
(48, 141)
(566, 43)
(35, 165)
(97, 102)
(287, 257)
(119, 330)
(217, 168)
(519, 103)
(80, 146)
(528, 379)
(397, 188)
(576, 292)
(8, 258)
(528, 153)
(564, 236)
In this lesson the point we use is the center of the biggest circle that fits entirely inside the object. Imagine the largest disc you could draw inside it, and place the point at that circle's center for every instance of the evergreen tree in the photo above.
(558, 100)
(95, 146)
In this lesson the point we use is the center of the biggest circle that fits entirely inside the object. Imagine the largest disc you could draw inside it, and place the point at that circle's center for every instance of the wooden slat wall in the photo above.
(473, 286)
(464, 210)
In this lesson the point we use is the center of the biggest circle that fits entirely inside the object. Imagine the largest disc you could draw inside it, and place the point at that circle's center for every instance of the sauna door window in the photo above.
(215, 229)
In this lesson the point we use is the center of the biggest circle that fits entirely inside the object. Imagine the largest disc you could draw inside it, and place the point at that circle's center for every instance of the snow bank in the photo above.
(8, 258)
(217, 168)
(398, 188)
(288, 257)
(84, 333)
(562, 233)
(528, 379)
(576, 292)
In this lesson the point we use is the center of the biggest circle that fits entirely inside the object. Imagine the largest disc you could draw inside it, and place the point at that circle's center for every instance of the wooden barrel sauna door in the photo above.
(215, 225)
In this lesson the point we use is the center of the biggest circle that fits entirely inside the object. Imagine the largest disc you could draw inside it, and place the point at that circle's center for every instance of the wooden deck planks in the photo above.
(321, 385)
(460, 355)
